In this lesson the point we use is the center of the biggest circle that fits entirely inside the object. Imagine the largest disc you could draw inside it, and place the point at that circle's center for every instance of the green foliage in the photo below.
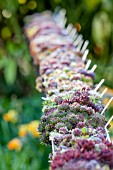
(10, 70)
(33, 155)
(25, 159)
(30, 157)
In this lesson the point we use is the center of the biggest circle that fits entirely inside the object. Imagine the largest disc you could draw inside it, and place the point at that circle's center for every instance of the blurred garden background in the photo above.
(20, 103)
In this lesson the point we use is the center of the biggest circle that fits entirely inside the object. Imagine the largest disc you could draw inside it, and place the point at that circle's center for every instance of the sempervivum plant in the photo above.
(64, 78)
(82, 99)
(67, 138)
(79, 112)
(80, 125)
(73, 121)
(87, 155)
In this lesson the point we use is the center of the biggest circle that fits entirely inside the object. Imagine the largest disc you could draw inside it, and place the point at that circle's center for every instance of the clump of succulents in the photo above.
(73, 121)
(86, 155)
(78, 112)
(82, 124)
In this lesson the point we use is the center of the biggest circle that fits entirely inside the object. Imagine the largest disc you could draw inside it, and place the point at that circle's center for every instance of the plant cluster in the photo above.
(73, 122)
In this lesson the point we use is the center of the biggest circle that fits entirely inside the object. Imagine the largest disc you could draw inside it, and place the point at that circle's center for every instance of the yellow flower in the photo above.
(23, 129)
(11, 116)
(15, 144)
(32, 128)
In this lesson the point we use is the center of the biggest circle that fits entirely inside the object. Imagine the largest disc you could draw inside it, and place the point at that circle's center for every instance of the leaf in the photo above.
(3, 62)
(84, 130)
(10, 71)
